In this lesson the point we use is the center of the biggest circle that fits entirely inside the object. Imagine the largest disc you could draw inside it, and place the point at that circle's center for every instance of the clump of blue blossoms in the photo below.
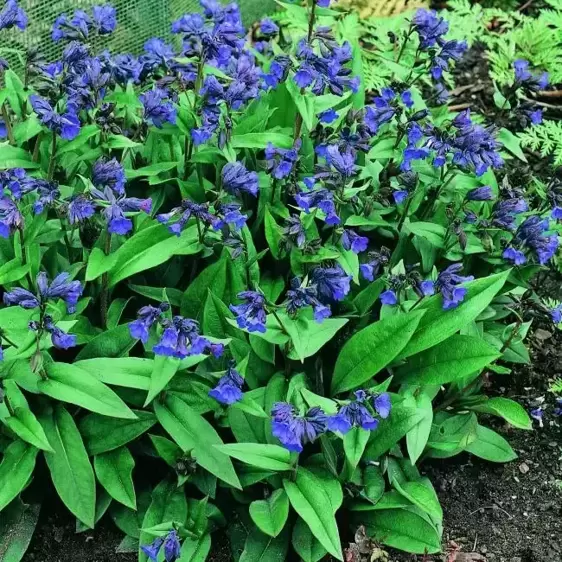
(169, 543)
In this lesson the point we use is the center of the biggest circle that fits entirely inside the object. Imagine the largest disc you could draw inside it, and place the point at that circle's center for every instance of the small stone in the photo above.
(542, 335)
(483, 549)
(523, 468)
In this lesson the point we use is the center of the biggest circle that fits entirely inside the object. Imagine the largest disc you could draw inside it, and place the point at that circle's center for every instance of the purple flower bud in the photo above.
(483, 193)
(354, 242)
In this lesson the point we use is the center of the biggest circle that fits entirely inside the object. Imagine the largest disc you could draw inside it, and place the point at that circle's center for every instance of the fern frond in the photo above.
(545, 138)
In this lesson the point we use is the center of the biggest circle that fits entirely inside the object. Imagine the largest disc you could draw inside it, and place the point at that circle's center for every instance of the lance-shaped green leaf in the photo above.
(309, 499)
(306, 545)
(128, 372)
(422, 494)
(162, 373)
(191, 431)
(17, 526)
(69, 383)
(268, 457)
(15, 470)
(69, 465)
(261, 548)
(195, 549)
(371, 349)
(509, 410)
(114, 470)
(490, 446)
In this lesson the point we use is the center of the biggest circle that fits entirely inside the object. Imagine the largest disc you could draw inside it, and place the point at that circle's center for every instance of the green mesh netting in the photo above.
(138, 20)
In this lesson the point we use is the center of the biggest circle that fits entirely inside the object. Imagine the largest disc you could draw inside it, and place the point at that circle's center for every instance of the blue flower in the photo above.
(293, 232)
(152, 550)
(450, 51)
(400, 196)
(181, 339)
(229, 389)
(430, 27)
(280, 161)
(556, 314)
(104, 18)
(354, 414)
(10, 217)
(406, 97)
(158, 109)
(382, 112)
(295, 431)
(332, 283)
(514, 256)
(188, 209)
(47, 194)
(424, 288)
(483, 193)
(377, 260)
(79, 209)
(67, 125)
(389, 297)
(109, 173)
(147, 316)
(523, 76)
(157, 54)
(60, 339)
(12, 15)
(250, 315)
(328, 116)
(354, 242)
(236, 179)
(229, 214)
(299, 296)
(505, 212)
(172, 547)
(267, 27)
(322, 199)
(532, 235)
(448, 284)
(343, 161)
(278, 71)
(382, 405)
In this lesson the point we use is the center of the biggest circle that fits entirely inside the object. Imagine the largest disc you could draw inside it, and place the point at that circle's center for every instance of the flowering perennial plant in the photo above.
(266, 281)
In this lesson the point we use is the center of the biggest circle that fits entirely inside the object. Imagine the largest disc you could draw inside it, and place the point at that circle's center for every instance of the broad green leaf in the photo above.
(164, 370)
(195, 550)
(422, 494)
(371, 349)
(373, 484)
(453, 433)
(273, 234)
(263, 548)
(16, 469)
(309, 499)
(306, 544)
(268, 457)
(416, 438)
(402, 418)
(191, 431)
(151, 247)
(437, 324)
(16, 530)
(404, 528)
(270, 515)
(102, 434)
(151, 170)
(169, 504)
(114, 471)
(155, 293)
(509, 410)
(250, 406)
(85, 134)
(128, 372)
(260, 140)
(309, 336)
(69, 383)
(454, 359)
(490, 446)
(388, 500)
(432, 232)
(12, 271)
(69, 465)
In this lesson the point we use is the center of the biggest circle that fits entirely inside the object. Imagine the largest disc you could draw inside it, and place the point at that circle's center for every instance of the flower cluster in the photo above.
(12, 15)
(229, 388)
(171, 544)
(532, 236)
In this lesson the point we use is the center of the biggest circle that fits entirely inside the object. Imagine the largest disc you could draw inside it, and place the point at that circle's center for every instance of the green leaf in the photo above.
(402, 418)
(263, 548)
(111, 343)
(268, 457)
(250, 406)
(354, 443)
(371, 349)
(102, 434)
(85, 134)
(490, 446)
(128, 372)
(309, 498)
(69, 465)
(403, 528)
(148, 248)
(15, 470)
(454, 359)
(195, 550)
(155, 293)
(422, 494)
(12, 271)
(114, 471)
(169, 504)
(453, 434)
(191, 431)
(69, 383)
(16, 530)
(437, 324)
(365, 300)
(273, 234)
(164, 370)
(512, 143)
(270, 515)
(509, 410)
(304, 103)
(150, 171)
(417, 436)
(306, 544)
(373, 483)
(430, 231)
(16, 93)
(260, 140)
(309, 336)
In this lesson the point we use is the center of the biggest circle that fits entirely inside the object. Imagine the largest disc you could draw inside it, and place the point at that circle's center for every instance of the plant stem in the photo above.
(104, 295)
(405, 213)
(8, 124)
(52, 157)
